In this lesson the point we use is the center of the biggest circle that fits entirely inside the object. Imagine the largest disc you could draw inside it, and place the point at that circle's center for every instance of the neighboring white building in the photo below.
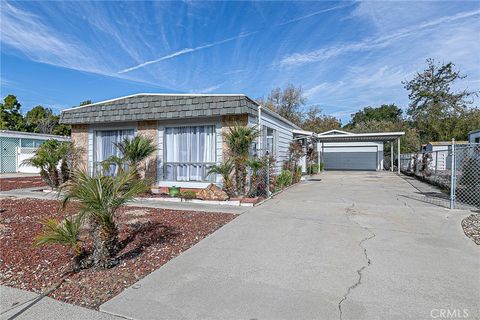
(474, 136)
(16, 146)
(342, 150)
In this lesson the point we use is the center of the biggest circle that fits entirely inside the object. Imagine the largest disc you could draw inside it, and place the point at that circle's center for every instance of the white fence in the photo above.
(22, 155)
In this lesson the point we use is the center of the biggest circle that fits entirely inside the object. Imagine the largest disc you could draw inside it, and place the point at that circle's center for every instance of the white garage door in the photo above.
(350, 158)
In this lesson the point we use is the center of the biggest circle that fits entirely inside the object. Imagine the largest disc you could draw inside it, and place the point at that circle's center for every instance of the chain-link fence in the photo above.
(456, 170)
(261, 175)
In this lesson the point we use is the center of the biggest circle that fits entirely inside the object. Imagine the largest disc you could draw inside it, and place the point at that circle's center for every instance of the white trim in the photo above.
(334, 130)
(184, 184)
(373, 134)
(304, 132)
(161, 94)
(31, 135)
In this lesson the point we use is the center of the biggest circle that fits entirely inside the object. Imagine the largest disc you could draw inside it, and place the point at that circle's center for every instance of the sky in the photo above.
(346, 55)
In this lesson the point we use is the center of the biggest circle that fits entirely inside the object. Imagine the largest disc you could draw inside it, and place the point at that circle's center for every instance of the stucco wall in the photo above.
(79, 138)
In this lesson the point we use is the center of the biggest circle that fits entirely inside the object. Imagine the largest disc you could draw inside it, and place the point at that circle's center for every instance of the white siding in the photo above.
(283, 136)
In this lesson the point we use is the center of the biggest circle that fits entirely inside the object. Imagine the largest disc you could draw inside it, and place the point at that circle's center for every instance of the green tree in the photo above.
(239, 140)
(437, 110)
(41, 120)
(10, 116)
(84, 103)
(287, 102)
(410, 142)
(386, 112)
(317, 122)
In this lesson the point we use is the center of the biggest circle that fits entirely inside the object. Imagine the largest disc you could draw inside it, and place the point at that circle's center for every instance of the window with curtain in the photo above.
(189, 153)
(270, 139)
(104, 146)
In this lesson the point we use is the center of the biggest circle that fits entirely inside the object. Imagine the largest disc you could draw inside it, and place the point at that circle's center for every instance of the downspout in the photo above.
(259, 127)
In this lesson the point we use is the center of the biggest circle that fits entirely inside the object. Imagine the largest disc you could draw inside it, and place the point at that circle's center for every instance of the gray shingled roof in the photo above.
(159, 107)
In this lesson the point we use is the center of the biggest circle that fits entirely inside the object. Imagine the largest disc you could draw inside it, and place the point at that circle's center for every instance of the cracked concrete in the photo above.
(301, 255)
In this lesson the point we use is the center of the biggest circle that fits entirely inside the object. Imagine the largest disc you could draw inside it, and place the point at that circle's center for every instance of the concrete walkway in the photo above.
(149, 203)
(352, 246)
(19, 304)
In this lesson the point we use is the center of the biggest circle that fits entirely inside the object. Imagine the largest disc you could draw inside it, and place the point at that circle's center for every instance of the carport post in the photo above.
(398, 155)
(391, 156)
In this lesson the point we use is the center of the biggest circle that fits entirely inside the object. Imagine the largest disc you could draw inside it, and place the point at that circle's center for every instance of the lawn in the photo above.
(148, 239)
(18, 183)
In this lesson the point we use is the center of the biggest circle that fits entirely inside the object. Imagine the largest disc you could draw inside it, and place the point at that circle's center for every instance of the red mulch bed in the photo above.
(19, 183)
(149, 238)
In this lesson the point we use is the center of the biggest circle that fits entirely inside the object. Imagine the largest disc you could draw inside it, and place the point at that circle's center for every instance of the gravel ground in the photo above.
(7, 184)
(149, 238)
(471, 227)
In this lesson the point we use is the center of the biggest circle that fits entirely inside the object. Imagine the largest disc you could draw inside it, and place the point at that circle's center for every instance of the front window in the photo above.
(105, 147)
(270, 141)
(189, 153)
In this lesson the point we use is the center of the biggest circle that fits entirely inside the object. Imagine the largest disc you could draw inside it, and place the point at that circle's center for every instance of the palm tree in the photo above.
(224, 169)
(239, 139)
(100, 198)
(136, 150)
(66, 232)
(51, 156)
(255, 164)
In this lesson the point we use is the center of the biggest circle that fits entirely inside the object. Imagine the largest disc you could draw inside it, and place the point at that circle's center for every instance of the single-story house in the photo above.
(474, 136)
(342, 150)
(16, 146)
(439, 153)
(188, 130)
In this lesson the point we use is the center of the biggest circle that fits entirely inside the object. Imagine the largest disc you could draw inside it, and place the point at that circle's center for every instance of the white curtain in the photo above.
(187, 149)
(104, 144)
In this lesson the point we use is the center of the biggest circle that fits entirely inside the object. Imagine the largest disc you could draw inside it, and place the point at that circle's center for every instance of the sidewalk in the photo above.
(20, 304)
(149, 203)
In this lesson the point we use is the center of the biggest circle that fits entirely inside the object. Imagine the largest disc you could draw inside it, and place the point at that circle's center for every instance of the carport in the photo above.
(342, 150)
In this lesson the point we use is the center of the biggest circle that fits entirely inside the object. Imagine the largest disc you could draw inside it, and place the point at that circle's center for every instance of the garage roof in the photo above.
(342, 136)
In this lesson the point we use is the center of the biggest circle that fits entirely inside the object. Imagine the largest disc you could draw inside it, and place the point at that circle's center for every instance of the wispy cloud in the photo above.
(298, 59)
(187, 50)
(240, 36)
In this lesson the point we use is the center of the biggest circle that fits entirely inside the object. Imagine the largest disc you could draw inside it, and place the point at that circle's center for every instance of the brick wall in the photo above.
(228, 122)
(149, 129)
(80, 140)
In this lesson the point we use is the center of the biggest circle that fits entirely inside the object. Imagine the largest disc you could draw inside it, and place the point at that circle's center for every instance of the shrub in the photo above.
(313, 169)
(284, 179)
(322, 165)
(188, 194)
(297, 175)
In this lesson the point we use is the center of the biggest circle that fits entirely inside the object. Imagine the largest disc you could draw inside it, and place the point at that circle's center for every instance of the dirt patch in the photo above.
(148, 239)
(7, 184)
(471, 227)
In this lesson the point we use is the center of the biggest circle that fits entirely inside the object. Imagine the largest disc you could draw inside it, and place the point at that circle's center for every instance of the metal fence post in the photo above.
(452, 177)
(268, 175)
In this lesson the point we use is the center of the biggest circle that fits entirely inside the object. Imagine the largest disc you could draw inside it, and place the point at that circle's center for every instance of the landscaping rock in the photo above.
(212, 192)
(471, 227)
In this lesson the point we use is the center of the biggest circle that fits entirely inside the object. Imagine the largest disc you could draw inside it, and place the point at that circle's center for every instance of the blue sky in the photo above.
(346, 55)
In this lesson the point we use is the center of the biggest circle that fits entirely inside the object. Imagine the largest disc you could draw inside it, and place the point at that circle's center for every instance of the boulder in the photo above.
(212, 192)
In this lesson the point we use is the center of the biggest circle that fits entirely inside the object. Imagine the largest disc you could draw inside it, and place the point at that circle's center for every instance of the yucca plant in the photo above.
(100, 198)
(225, 170)
(239, 138)
(65, 232)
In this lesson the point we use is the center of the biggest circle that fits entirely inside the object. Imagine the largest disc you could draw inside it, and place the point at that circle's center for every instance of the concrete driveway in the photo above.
(351, 246)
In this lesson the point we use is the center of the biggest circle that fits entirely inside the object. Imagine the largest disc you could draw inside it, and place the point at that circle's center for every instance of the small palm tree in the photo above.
(136, 150)
(255, 164)
(100, 198)
(225, 170)
(55, 160)
(239, 139)
(66, 232)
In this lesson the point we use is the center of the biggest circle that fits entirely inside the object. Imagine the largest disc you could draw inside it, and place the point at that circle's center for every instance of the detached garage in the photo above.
(341, 150)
